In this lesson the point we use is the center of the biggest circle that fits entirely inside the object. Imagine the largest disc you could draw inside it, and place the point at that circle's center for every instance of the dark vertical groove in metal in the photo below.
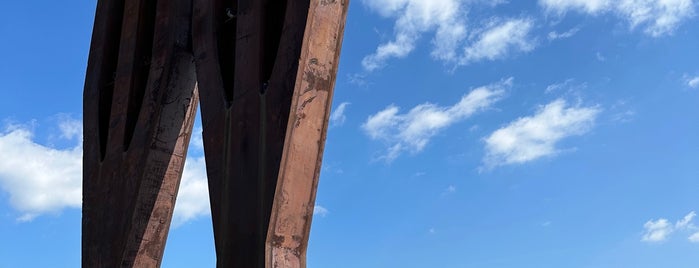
(226, 45)
(142, 60)
(272, 25)
(262, 181)
(271, 20)
(108, 68)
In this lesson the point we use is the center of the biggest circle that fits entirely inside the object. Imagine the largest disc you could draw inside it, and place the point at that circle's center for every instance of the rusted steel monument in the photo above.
(264, 72)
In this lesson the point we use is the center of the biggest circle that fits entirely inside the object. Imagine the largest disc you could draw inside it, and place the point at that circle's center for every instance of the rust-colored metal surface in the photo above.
(265, 71)
(299, 170)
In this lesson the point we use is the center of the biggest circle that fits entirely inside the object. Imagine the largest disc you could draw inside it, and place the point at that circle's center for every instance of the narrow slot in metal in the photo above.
(227, 45)
(142, 62)
(107, 77)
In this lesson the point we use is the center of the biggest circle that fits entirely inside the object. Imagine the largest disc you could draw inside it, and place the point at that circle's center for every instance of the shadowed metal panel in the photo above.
(139, 105)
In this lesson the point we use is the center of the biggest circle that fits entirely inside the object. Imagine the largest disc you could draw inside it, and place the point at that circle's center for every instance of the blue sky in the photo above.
(465, 133)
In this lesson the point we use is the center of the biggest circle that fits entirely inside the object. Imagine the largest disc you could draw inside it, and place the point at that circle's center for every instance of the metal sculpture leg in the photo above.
(299, 170)
(266, 71)
(139, 105)
(246, 90)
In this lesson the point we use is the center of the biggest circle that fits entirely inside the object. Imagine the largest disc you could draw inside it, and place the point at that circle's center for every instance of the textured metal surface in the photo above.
(139, 105)
(265, 71)
(299, 169)
(244, 120)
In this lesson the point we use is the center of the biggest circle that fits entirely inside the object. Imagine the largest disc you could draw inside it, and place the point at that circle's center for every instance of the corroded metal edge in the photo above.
(292, 211)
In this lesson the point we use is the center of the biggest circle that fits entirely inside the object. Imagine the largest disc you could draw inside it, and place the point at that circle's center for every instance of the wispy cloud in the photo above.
(536, 136)
(446, 21)
(623, 116)
(499, 39)
(656, 17)
(319, 210)
(660, 230)
(41, 179)
(196, 142)
(413, 18)
(694, 238)
(686, 221)
(589, 6)
(568, 85)
(338, 117)
(458, 42)
(600, 57)
(692, 82)
(70, 128)
(553, 35)
(657, 231)
(413, 130)
(449, 190)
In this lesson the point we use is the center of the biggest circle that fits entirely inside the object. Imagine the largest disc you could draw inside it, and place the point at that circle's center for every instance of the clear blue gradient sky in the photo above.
(465, 133)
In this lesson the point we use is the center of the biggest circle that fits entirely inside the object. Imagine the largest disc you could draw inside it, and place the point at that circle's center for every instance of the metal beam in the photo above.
(139, 105)
(299, 171)
(265, 71)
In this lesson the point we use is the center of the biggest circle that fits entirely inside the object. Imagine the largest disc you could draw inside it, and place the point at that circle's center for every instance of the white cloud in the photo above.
(44, 180)
(500, 39)
(446, 20)
(661, 229)
(553, 35)
(320, 211)
(70, 128)
(589, 6)
(40, 179)
(568, 83)
(337, 117)
(656, 17)
(414, 18)
(193, 197)
(694, 238)
(533, 137)
(358, 79)
(413, 130)
(453, 40)
(657, 231)
(686, 221)
(659, 17)
(693, 82)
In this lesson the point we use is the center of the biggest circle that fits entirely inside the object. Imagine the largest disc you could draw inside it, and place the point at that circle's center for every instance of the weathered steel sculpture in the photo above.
(264, 71)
